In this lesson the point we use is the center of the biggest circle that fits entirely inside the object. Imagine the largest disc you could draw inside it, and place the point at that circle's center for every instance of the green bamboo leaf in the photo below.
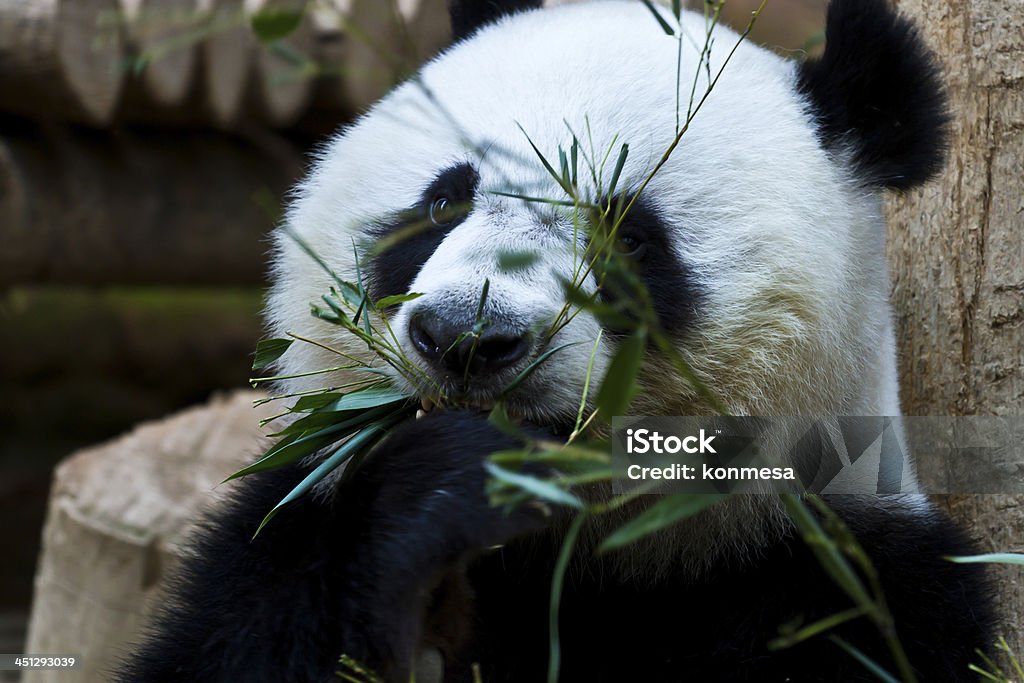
(619, 383)
(827, 552)
(322, 428)
(500, 420)
(511, 261)
(521, 377)
(272, 24)
(288, 451)
(538, 488)
(329, 316)
(268, 351)
(332, 300)
(667, 511)
(371, 397)
(540, 200)
(512, 457)
(657, 15)
(818, 627)
(866, 661)
(563, 162)
(396, 299)
(555, 601)
(995, 558)
(567, 456)
(349, 293)
(360, 441)
(315, 401)
(574, 153)
(547, 165)
(677, 8)
(619, 163)
(321, 419)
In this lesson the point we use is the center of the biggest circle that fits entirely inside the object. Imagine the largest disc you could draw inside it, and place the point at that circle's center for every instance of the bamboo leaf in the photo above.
(995, 558)
(816, 628)
(661, 20)
(617, 171)
(371, 397)
(286, 452)
(272, 24)
(866, 661)
(315, 401)
(619, 384)
(363, 439)
(667, 511)
(547, 165)
(347, 419)
(521, 377)
(827, 552)
(510, 261)
(500, 420)
(397, 299)
(555, 602)
(536, 487)
(268, 351)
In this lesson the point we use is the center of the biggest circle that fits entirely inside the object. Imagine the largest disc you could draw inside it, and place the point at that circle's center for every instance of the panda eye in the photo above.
(629, 246)
(442, 212)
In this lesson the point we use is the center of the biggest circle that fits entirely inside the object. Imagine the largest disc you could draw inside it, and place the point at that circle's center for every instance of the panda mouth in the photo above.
(516, 410)
(428, 405)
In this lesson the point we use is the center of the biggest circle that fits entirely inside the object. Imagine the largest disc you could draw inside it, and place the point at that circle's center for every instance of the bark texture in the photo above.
(957, 256)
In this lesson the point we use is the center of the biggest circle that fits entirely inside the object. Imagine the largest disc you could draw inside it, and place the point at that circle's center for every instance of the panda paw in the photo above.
(422, 508)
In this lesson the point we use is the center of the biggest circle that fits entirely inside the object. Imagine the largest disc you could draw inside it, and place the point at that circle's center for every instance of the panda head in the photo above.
(760, 238)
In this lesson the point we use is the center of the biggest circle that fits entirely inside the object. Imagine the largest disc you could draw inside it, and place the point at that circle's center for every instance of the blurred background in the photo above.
(145, 148)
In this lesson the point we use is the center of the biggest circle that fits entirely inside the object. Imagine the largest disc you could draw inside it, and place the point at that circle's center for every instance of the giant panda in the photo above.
(761, 242)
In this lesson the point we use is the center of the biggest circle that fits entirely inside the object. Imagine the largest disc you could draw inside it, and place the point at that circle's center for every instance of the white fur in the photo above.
(786, 243)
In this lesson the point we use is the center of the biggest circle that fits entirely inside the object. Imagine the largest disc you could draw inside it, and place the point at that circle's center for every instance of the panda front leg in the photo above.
(350, 575)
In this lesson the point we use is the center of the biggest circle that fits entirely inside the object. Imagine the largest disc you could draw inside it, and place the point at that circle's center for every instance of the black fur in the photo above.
(382, 567)
(467, 16)
(349, 575)
(674, 293)
(877, 91)
(716, 628)
(392, 270)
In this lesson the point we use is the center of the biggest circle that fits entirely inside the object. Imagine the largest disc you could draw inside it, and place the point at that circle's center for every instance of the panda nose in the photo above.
(449, 347)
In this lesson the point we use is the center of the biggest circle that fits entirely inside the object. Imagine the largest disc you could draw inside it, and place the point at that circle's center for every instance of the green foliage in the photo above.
(993, 672)
(666, 512)
(620, 381)
(272, 24)
(511, 261)
(990, 558)
(268, 351)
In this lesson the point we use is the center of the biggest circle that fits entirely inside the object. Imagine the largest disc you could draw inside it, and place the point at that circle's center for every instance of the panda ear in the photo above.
(877, 93)
(469, 15)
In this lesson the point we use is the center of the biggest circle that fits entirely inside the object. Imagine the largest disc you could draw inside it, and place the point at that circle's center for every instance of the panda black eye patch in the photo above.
(647, 241)
(411, 236)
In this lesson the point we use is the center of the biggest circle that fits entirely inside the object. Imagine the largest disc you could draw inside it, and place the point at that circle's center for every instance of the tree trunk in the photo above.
(957, 256)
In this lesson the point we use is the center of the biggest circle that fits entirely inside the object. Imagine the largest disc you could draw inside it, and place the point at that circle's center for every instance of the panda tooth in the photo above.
(541, 507)
(420, 413)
